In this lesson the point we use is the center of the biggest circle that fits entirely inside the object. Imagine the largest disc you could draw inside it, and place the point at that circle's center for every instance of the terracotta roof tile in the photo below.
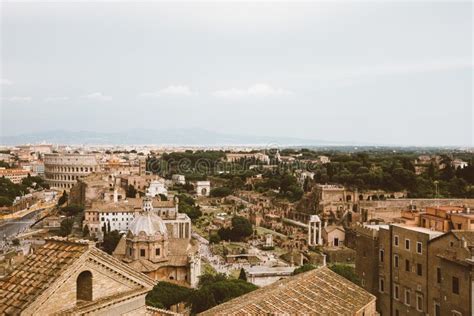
(317, 292)
(37, 272)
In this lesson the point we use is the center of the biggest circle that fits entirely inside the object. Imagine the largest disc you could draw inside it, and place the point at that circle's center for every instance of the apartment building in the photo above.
(415, 270)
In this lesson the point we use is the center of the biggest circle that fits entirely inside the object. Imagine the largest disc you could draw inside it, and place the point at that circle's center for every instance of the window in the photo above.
(407, 297)
(419, 248)
(455, 285)
(395, 292)
(438, 275)
(419, 302)
(395, 241)
(407, 244)
(157, 251)
(407, 265)
(419, 269)
(395, 261)
(397, 313)
(437, 309)
(381, 285)
(381, 255)
(84, 286)
(142, 252)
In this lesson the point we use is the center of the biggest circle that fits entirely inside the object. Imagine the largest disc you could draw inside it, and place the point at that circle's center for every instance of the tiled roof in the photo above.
(317, 292)
(37, 273)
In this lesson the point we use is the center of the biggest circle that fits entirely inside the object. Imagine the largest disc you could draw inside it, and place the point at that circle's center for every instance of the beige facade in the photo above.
(63, 170)
(14, 175)
(162, 249)
(415, 270)
(74, 278)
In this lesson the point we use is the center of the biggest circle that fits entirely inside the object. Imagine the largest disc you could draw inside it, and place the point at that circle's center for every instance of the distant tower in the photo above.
(147, 204)
(277, 156)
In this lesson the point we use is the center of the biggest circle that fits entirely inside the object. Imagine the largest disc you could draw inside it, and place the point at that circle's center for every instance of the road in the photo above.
(10, 228)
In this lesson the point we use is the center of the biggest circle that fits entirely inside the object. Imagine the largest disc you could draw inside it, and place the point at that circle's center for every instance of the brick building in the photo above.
(415, 270)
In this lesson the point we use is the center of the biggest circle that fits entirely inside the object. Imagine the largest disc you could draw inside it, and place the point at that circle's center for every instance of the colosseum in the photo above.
(62, 170)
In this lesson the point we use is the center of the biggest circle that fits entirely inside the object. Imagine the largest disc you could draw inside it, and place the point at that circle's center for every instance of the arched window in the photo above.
(84, 286)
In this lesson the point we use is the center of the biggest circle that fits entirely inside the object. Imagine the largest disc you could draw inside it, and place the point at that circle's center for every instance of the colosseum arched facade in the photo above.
(62, 170)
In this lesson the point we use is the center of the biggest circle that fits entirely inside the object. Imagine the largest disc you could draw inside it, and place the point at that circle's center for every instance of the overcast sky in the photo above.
(382, 72)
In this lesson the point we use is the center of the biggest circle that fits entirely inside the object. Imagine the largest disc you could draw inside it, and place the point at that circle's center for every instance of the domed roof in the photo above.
(149, 223)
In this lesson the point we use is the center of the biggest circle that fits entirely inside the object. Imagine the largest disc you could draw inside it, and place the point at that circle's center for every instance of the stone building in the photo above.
(445, 218)
(63, 170)
(203, 188)
(14, 175)
(96, 187)
(162, 249)
(119, 167)
(236, 157)
(72, 277)
(333, 236)
(118, 215)
(317, 292)
(157, 187)
(178, 179)
(451, 271)
(415, 270)
(367, 258)
(140, 182)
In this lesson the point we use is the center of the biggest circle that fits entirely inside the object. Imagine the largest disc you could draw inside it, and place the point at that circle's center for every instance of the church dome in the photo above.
(149, 223)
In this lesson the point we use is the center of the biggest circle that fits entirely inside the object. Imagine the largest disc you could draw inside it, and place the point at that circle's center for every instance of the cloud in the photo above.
(5, 82)
(258, 90)
(55, 99)
(17, 99)
(178, 90)
(98, 96)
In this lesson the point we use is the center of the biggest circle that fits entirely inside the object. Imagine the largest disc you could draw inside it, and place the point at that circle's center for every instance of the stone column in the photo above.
(315, 234)
(319, 234)
(310, 242)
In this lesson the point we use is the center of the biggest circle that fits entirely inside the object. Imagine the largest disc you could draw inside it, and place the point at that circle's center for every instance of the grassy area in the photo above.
(207, 269)
(234, 274)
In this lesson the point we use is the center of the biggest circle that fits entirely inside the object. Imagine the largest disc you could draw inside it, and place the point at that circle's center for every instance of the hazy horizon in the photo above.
(372, 73)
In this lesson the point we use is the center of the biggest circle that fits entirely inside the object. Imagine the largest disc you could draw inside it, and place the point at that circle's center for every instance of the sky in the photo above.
(395, 73)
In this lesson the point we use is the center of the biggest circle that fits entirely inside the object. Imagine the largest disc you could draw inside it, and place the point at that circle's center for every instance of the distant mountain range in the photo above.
(157, 137)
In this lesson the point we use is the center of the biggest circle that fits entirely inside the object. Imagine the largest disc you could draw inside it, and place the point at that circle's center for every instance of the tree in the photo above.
(165, 295)
(214, 239)
(242, 275)
(346, 271)
(85, 231)
(187, 205)
(66, 226)
(241, 227)
(304, 268)
(202, 300)
(111, 239)
(5, 201)
(63, 198)
(221, 192)
(72, 210)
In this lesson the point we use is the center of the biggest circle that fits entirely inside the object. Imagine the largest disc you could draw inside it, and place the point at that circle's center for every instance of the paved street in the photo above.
(10, 228)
